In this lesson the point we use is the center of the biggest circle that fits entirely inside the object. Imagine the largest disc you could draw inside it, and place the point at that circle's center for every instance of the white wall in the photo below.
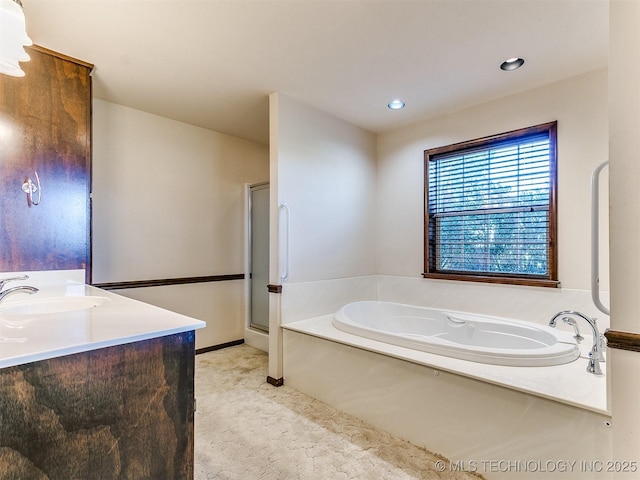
(578, 104)
(168, 202)
(326, 174)
(324, 169)
(624, 98)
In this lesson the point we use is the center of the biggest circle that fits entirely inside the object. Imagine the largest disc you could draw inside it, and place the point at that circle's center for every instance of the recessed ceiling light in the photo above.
(512, 63)
(396, 104)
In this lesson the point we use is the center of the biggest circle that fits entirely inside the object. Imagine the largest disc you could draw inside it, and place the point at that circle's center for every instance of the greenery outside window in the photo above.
(490, 209)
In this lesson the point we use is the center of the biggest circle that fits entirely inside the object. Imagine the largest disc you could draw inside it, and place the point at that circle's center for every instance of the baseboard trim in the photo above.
(276, 382)
(220, 346)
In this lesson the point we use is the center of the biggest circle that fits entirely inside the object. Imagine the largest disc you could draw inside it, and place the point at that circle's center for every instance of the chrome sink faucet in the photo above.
(22, 288)
(596, 355)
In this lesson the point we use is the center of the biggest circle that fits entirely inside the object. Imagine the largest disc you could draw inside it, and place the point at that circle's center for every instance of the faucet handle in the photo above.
(602, 346)
(4, 281)
(594, 364)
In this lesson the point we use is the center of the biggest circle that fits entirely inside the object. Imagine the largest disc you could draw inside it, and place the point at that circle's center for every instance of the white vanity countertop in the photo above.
(117, 320)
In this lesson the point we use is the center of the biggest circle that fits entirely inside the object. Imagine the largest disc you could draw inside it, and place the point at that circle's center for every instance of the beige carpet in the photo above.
(246, 429)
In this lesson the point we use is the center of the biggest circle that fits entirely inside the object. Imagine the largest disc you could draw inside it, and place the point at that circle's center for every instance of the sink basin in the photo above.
(43, 306)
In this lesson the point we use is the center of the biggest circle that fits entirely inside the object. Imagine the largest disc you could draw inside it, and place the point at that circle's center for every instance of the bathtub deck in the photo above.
(569, 383)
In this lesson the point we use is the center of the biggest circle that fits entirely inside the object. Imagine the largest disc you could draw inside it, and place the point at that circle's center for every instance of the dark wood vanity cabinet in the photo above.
(45, 127)
(123, 412)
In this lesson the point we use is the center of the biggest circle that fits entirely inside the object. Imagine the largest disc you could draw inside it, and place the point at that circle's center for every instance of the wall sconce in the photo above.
(13, 38)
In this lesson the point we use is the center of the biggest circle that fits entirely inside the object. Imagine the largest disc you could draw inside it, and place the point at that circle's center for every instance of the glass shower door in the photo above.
(259, 217)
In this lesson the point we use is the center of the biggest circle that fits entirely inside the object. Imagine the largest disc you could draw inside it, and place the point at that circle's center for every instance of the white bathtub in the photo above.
(477, 338)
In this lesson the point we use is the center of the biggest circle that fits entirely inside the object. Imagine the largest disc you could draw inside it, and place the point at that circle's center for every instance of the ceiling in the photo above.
(213, 63)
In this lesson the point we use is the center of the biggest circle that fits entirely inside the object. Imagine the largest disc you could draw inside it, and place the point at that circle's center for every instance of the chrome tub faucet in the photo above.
(574, 324)
(596, 355)
(10, 291)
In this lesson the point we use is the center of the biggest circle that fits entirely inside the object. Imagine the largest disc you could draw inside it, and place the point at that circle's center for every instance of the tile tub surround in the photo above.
(311, 299)
(247, 429)
(568, 383)
(534, 304)
(117, 321)
(466, 419)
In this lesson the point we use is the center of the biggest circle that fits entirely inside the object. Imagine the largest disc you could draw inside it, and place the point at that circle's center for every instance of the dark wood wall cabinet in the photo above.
(45, 127)
(122, 412)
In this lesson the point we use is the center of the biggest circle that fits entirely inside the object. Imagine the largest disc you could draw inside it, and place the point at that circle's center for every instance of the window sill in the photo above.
(529, 282)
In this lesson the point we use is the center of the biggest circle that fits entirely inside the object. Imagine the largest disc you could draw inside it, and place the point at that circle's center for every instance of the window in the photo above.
(490, 209)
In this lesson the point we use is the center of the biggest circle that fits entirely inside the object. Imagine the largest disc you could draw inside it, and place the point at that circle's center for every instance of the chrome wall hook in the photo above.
(30, 188)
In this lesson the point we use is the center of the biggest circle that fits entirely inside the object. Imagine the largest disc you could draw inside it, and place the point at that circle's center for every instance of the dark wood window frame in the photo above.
(548, 280)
